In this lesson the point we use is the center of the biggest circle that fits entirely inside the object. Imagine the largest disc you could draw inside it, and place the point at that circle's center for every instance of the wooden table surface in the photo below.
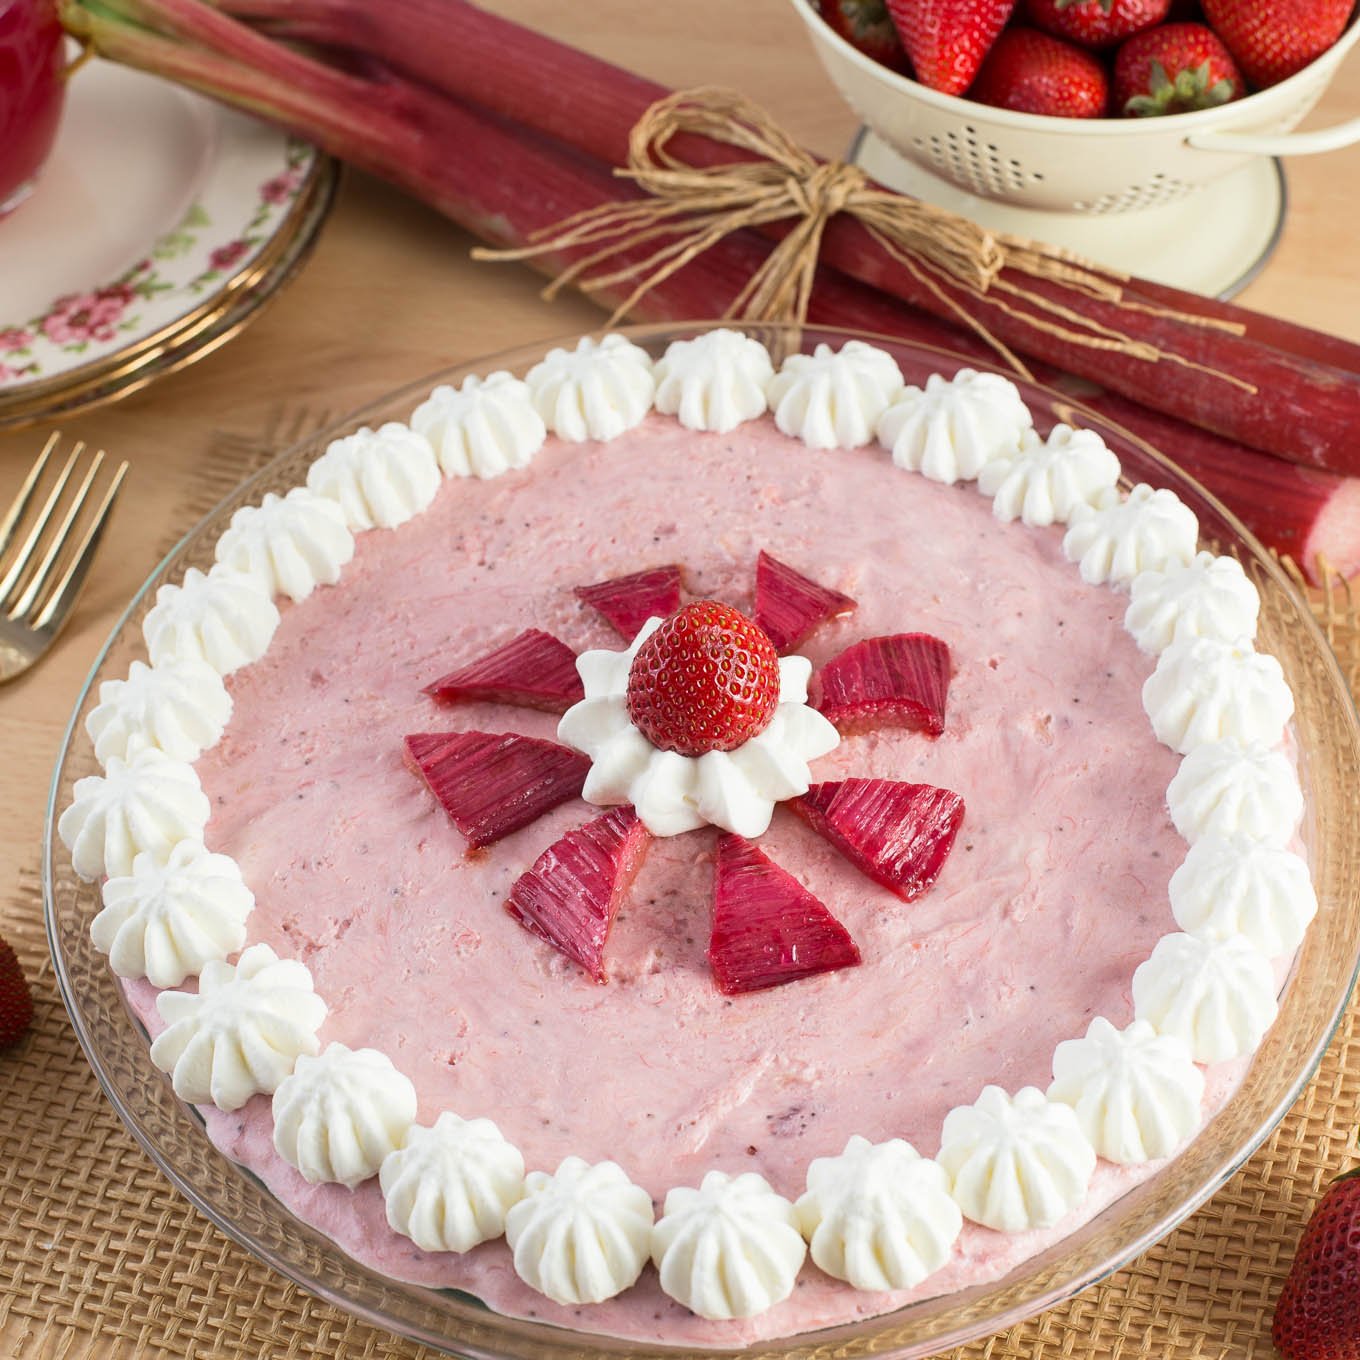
(390, 294)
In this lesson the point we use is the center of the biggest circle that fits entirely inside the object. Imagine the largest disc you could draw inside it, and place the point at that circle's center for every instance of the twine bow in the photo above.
(689, 208)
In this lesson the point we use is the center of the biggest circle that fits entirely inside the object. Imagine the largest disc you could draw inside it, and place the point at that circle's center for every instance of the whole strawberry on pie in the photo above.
(699, 722)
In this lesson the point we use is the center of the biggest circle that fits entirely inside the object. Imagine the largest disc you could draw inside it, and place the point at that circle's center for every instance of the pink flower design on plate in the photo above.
(15, 337)
(281, 188)
(226, 256)
(81, 317)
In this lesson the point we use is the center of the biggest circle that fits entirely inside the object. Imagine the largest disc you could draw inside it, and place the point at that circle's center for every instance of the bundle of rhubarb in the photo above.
(508, 133)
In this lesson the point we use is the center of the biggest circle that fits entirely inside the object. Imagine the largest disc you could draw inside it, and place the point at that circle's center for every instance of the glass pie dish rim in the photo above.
(412, 1310)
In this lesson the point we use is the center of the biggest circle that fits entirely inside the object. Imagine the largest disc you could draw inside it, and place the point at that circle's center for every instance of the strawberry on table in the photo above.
(1032, 72)
(1096, 23)
(16, 1001)
(1273, 40)
(866, 26)
(1317, 1316)
(947, 39)
(1174, 69)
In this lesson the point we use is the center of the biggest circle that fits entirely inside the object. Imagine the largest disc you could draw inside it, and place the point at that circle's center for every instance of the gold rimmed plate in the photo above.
(159, 226)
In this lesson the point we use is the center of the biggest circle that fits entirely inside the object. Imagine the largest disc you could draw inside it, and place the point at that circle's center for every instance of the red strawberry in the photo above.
(490, 783)
(767, 928)
(1174, 69)
(16, 1001)
(629, 601)
(1272, 41)
(865, 25)
(947, 39)
(1317, 1316)
(1031, 72)
(897, 834)
(534, 671)
(789, 606)
(1096, 23)
(896, 681)
(572, 893)
(706, 680)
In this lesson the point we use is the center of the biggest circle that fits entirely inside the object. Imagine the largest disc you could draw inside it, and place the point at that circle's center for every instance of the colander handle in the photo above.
(1282, 144)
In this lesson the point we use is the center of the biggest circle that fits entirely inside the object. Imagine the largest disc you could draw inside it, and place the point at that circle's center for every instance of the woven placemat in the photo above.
(94, 1243)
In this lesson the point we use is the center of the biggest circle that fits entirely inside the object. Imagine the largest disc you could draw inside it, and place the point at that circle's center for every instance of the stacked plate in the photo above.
(159, 226)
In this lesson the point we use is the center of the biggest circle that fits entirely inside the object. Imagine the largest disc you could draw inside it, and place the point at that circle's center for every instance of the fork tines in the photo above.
(46, 553)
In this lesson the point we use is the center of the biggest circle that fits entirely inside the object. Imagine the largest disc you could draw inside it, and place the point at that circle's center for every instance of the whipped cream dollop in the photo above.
(379, 478)
(950, 429)
(225, 619)
(582, 1234)
(672, 793)
(1044, 481)
(483, 427)
(147, 803)
(1209, 596)
(595, 391)
(1238, 885)
(339, 1114)
(879, 1216)
(164, 921)
(1016, 1163)
(834, 398)
(1137, 1094)
(714, 382)
(1206, 691)
(1224, 789)
(289, 544)
(1218, 996)
(180, 707)
(450, 1187)
(1117, 538)
(729, 1249)
(243, 1031)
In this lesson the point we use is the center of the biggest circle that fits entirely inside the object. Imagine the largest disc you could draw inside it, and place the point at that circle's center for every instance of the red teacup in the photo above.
(31, 93)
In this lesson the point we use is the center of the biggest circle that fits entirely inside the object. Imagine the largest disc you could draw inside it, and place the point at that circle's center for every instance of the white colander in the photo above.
(1075, 165)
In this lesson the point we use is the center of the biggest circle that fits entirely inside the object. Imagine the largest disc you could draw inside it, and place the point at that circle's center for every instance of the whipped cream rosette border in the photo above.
(877, 1216)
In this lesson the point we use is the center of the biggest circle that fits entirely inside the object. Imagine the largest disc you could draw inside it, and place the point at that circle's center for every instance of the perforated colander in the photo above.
(1075, 165)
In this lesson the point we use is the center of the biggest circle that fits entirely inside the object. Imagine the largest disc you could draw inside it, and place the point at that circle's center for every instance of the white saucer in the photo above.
(1167, 244)
(156, 207)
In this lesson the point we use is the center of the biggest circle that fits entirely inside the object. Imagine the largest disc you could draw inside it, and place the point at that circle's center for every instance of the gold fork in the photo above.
(41, 577)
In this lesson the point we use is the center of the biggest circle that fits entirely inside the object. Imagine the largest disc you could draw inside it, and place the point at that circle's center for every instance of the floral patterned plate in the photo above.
(159, 225)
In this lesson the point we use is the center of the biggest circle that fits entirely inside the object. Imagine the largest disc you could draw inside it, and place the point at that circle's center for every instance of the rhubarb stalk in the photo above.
(1302, 409)
(504, 183)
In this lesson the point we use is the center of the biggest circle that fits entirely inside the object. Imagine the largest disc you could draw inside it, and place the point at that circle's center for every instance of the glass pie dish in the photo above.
(1328, 744)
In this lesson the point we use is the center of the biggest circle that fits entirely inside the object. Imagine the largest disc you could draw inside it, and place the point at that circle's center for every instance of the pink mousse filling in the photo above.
(1055, 892)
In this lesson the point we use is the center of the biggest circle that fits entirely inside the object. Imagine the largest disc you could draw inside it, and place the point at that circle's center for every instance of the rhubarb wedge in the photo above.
(572, 893)
(896, 681)
(790, 606)
(895, 833)
(767, 928)
(493, 783)
(535, 670)
(627, 602)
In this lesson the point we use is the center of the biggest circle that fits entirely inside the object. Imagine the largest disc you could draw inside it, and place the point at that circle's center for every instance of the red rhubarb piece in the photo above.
(572, 893)
(767, 928)
(896, 681)
(628, 602)
(789, 606)
(533, 671)
(895, 833)
(493, 783)
(706, 680)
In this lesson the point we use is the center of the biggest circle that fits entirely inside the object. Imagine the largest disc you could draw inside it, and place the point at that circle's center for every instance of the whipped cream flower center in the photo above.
(735, 790)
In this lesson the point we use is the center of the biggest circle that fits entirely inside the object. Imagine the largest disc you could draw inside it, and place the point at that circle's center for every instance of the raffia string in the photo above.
(690, 208)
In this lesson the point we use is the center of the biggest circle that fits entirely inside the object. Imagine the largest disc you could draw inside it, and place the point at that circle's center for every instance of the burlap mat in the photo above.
(98, 1252)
